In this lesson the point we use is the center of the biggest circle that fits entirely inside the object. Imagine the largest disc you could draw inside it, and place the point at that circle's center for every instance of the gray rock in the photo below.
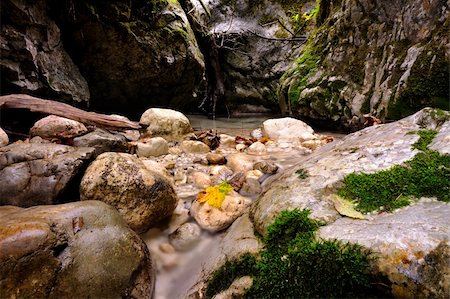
(75, 250)
(407, 241)
(412, 246)
(102, 141)
(142, 197)
(38, 173)
(33, 58)
(186, 236)
(239, 239)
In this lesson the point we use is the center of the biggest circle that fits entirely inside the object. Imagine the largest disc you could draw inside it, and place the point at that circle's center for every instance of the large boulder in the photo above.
(407, 242)
(166, 122)
(287, 129)
(382, 58)
(39, 173)
(76, 250)
(133, 54)
(33, 57)
(142, 197)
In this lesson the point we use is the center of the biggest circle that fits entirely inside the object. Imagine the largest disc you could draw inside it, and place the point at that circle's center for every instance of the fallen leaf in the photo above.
(346, 208)
(215, 195)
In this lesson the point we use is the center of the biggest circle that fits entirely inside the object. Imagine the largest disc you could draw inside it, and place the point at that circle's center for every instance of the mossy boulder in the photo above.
(359, 61)
(390, 166)
(76, 250)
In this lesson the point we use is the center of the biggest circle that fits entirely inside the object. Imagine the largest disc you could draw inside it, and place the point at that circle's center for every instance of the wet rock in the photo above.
(76, 250)
(142, 197)
(220, 173)
(266, 167)
(157, 167)
(200, 180)
(257, 133)
(257, 148)
(312, 144)
(185, 237)
(288, 130)
(406, 240)
(167, 248)
(38, 173)
(251, 184)
(194, 147)
(239, 239)
(239, 162)
(241, 147)
(4, 140)
(216, 159)
(152, 147)
(103, 141)
(166, 123)
(54, 126)
(214, 219)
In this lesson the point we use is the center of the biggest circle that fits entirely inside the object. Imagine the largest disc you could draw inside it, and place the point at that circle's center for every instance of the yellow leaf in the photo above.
(215, 195)
(346, 208)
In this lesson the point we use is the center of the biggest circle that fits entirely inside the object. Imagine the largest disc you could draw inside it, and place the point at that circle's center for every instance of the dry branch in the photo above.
(22, 101)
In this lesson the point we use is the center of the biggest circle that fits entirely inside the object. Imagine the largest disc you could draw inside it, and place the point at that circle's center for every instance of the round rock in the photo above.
(143, 197)
(75, 250)
(153, 147)
(54, 126)
(288, 129)
(195, 147)
(216, 159)
(186, 236)
(166, 122)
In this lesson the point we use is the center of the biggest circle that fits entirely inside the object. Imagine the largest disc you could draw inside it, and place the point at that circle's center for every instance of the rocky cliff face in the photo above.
(379, 57)
(33, 59)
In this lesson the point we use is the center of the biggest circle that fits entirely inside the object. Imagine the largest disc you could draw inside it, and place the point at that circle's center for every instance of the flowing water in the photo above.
(178, 270)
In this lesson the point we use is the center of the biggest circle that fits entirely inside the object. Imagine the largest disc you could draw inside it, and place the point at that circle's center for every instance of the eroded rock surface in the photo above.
(102, 141)
(38, 173)
(4, 140)
(76, 250)
(142, 197)
(53, 126)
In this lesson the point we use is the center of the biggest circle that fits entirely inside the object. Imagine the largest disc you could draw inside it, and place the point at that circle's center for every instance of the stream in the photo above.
(178, 270)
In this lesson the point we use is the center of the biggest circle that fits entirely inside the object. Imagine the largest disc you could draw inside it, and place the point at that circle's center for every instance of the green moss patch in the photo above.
(294, 264)
(426, 175)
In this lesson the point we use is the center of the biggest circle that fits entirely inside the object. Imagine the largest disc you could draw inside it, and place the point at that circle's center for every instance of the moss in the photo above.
(426, 175)
(294, 264)
(302, 173)
(281, 33)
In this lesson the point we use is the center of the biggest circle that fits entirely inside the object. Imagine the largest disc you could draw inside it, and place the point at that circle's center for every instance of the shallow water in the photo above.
(177, 271)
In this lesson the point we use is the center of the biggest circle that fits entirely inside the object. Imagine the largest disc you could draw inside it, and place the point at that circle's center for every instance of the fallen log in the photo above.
(22, 101)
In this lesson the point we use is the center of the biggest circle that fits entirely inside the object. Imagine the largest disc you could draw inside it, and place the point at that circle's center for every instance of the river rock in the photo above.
(142, 197)
(54, 126)
(75, 250)
(407, 241)
(266, 167)
(38, 173)
(219, 173)
(152, 147)
(251, 184)
(214, 219)
(227, 140)
(287, 130)
(157, 167)
(240, 238)
(257, 148)
(102, 141)
(186, 236)
(237, 288)
(239, 162)
(216, 159)
(166, 123)
(194, 147)
(200, 179)
(4, 140)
